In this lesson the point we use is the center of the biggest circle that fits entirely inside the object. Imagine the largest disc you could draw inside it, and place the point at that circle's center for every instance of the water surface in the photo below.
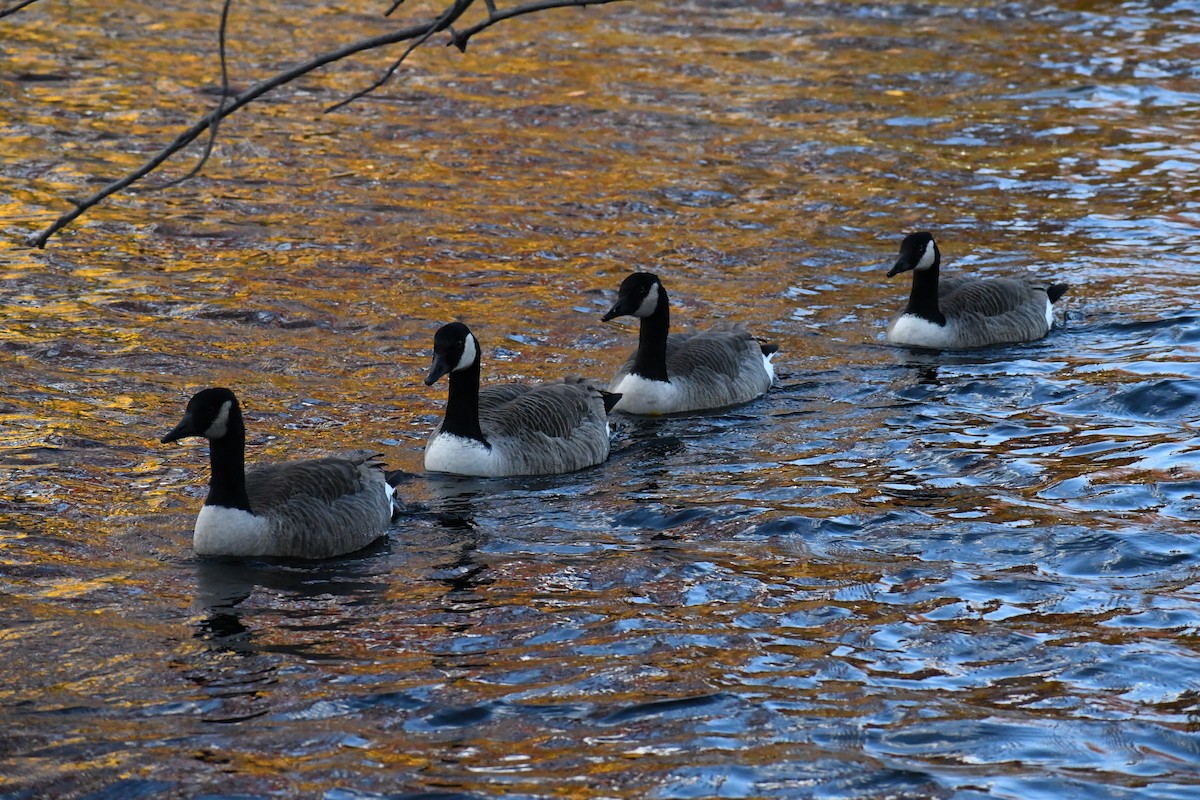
(901, 574)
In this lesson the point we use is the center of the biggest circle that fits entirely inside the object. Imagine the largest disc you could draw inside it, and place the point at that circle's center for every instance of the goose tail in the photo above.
(769, 351)
(393, 478)
(1055, 291)
(610, 400)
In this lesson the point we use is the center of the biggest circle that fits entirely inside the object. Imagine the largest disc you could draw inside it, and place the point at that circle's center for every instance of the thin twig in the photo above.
(459, 38)
(4, 12)
(449, 15)
(216, 123)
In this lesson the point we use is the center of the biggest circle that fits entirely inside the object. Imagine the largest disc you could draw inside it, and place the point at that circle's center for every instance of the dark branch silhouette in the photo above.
(418, 34)
(442, 22)
(460, 38)
(4, 12)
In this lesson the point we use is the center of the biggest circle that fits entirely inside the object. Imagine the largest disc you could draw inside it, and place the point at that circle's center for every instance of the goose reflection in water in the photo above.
(223, 584)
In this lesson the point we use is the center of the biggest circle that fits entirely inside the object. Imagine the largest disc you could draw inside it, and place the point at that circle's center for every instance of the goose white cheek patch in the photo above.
(650, 304)
(470, 350)
(928, 256)
(220, 425)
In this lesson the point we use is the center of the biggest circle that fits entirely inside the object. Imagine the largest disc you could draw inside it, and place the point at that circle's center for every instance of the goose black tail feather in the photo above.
(396, 477)
(610, 400)
(1055, 291)
(768, 349)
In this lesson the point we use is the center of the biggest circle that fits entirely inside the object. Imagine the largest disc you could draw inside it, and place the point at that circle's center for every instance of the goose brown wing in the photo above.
(993, 297)
(320, 508)
(272, 486)
(554, 409)
(497, 395)
(720, 350)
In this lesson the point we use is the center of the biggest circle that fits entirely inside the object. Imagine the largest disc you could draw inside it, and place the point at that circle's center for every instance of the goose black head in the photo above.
(918, 251)
(208, 414)
(454, 348)
(639, 296)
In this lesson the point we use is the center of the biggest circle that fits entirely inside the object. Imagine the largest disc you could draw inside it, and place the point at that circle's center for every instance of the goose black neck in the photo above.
(227, 459)
(651, 359)
(923, 300)
(462, 405)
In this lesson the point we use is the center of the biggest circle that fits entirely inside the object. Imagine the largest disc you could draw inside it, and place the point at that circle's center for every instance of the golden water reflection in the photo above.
(900, 574)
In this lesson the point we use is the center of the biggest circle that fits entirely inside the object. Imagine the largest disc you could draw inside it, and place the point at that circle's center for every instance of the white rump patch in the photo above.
(928, 256)
(220, 425)
(470, 351)
(222, 531)
(461, 455)
(650, 304)
(913, 330)
(770, 367)
(1049, 313)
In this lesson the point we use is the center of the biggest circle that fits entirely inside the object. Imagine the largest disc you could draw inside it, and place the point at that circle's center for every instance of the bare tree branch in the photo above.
(459, 38)
(448, 14)
(191, 134)
(4, 12)
(211, 120)
(212, 130)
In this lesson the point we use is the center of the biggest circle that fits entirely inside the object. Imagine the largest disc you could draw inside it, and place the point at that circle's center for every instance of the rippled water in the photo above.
(900, 574)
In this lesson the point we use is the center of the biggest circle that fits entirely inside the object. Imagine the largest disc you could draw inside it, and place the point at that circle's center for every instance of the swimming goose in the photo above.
(669, 374)
(963, 312)
(512, 429)
(299, 509)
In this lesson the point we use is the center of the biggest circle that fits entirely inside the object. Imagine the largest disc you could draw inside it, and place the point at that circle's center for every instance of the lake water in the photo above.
(899, 575)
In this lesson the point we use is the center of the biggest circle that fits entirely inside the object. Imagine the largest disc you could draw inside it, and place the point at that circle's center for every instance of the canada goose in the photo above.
(512, 429)
(684, 372)
(963, 312)
(299, 509)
